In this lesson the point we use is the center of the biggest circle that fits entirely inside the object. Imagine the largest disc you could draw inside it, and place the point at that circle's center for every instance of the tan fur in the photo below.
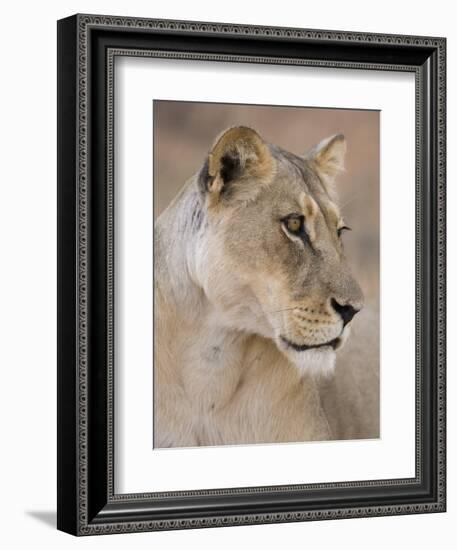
(235, 291)
(254, 156)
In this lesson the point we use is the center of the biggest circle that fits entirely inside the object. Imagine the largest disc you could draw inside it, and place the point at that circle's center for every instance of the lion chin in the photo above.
(314, 362)
(317, 361)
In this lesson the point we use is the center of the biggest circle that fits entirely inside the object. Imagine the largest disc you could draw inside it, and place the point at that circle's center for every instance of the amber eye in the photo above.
(295, 224)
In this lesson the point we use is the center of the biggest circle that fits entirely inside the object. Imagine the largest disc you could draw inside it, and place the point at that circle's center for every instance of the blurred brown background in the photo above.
(183, 135)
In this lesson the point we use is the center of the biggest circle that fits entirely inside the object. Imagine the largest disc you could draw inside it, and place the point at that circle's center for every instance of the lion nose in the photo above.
(346, 312)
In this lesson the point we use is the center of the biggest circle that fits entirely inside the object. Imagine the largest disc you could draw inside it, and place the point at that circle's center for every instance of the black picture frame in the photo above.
(87, 45)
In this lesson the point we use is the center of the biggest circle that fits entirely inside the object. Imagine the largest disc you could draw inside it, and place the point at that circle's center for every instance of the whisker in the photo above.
(348, 201)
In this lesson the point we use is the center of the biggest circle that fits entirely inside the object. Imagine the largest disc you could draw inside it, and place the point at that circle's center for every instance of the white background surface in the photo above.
(138, 468)
(28, 281)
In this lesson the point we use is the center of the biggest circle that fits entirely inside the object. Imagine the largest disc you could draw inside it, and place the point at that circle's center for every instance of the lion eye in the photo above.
(341, 229)
(294, 225)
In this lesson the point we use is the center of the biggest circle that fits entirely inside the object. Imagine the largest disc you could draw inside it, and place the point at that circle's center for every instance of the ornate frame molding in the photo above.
(77, 46)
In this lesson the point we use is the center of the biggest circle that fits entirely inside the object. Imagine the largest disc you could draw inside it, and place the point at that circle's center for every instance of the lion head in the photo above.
(270, 257)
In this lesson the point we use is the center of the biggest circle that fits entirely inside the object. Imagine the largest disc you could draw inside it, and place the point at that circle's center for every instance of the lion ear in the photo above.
(237, 164)
(328, 158)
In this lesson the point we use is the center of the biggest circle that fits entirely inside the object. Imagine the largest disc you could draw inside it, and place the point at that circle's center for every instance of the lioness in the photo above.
(253, 295)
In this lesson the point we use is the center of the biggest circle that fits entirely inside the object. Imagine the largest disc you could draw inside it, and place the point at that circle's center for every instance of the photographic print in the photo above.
(266, 274)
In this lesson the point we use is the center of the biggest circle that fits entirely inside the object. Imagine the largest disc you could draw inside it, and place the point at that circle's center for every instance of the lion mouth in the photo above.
(304, 347)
